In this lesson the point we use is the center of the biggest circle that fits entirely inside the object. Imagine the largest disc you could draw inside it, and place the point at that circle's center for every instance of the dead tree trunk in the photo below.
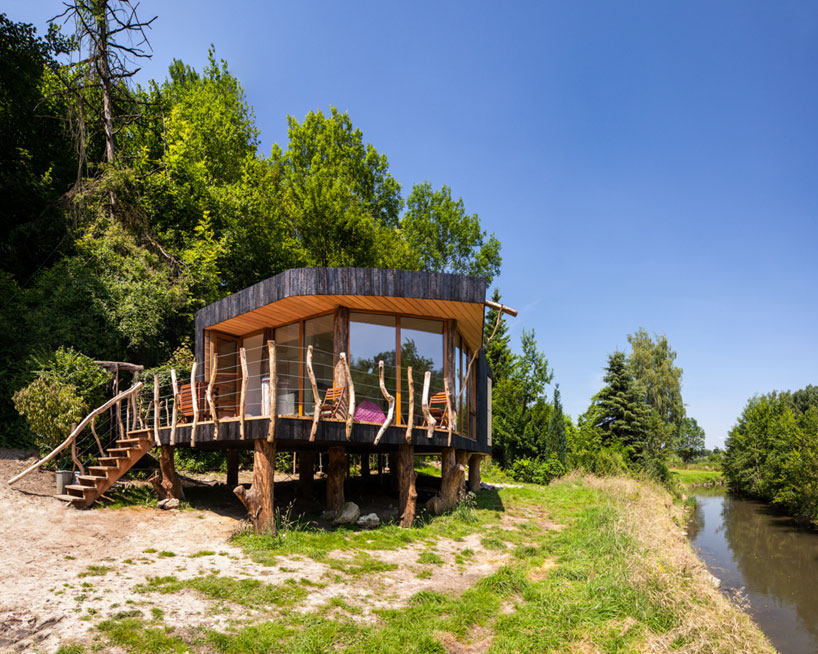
(408, 493)
(306, 474)
(474, 472)
(336, 467)
(259, 498)
(167, 484)
(232, 468)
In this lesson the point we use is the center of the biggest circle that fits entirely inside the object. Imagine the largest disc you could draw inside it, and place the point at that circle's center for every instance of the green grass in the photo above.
(430, 557)
(697, 477)
(95, 571)
(248, 592)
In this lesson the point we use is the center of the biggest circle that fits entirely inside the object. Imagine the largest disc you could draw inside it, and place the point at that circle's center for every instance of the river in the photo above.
(765, 561)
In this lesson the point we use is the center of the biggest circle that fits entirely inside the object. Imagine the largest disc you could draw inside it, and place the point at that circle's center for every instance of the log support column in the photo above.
(167, 483)
(336, 467)
(306, 474)
(474, 472)
(232, 468)
(408, 493)
(259, 498)
(452, 485)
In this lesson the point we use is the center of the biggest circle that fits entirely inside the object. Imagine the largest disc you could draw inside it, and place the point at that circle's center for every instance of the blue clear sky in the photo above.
(645, 164)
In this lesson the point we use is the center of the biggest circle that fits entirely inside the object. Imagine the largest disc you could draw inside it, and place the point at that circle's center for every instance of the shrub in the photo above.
(536, 471)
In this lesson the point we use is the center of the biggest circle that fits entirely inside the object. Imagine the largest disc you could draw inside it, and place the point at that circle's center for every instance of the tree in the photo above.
(652, 364)
(621, 415)
(690, 441)
(556, 436)
(498, 351)
(442, 237)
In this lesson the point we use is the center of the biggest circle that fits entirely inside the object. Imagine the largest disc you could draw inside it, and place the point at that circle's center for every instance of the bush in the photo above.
(536, 471)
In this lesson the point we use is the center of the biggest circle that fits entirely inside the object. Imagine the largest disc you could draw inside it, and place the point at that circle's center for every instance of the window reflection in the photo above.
(318, 333)
(287, 369)
(422, 348)
(371, 339)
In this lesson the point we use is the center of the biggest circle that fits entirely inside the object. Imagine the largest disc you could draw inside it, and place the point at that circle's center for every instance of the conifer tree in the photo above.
(498, 351)
(556, 437)
(622, 414)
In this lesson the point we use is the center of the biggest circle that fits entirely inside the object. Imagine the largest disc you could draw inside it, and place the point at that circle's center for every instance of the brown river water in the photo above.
(765, 561)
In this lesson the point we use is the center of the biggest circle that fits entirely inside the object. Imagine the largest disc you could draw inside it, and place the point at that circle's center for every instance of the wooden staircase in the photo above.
(120, 459)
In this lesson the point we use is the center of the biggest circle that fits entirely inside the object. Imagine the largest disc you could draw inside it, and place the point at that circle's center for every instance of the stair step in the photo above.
(93, 479)
(121, 452)
(102, 470)
(131, 442)
(79, 491)
(67, 498)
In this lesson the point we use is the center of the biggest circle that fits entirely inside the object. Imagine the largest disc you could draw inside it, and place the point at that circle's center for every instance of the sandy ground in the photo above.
(47, 545)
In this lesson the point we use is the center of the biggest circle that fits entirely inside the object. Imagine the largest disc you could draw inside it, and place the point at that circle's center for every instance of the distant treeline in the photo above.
(772, 452)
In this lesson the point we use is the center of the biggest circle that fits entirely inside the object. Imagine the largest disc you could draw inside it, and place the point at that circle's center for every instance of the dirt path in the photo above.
(50, 594)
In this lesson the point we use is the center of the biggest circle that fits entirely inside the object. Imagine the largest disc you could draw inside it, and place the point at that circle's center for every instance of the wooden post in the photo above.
(168, 486)
(306, 474)
(194, 393)
(424, 404)
(211, 401)
(271, 353)
(408, 493)
(156, 410)
(451, 486)
(94, 432)
(340, 343)
(451, 413)
(232, 468)
(390, 414)
(350, 395)
(335, 479)
(243, 394)
(128, 413)
(74, 456)
(175, 387)
(259, 498)
(411, 418)
(118, 404)
(317, 400)
(474, 471)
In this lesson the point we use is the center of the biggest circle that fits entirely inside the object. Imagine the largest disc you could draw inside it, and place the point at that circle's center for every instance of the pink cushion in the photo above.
(368, 411)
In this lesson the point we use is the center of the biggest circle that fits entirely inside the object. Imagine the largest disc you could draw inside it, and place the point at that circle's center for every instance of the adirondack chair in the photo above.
(439, 408)
(335, 403)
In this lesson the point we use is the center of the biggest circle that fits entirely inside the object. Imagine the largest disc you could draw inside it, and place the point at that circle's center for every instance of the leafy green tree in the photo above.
(50, 408)
(690, 441)
(444, 238)
(556, 436)
(622, 417)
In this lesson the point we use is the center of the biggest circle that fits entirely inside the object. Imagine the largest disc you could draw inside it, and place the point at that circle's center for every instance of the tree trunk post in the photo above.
(408, 493)
(232, 468)
(474, 472)
(169, 487)
(306, 474)
(258, 499)
(452, 485)
(336, 467)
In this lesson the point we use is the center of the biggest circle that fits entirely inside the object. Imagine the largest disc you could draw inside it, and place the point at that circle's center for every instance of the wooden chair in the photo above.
(439, 408)
(335, 403)
(186, 402)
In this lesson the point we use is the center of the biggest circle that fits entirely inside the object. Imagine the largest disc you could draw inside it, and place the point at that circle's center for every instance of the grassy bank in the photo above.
(698, 476)
(583, 565)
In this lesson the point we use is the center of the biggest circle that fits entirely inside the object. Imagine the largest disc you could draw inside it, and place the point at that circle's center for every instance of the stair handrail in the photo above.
(77, 430)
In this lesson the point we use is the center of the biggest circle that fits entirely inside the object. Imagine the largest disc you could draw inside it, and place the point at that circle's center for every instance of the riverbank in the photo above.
(583, 565)
(697, 477)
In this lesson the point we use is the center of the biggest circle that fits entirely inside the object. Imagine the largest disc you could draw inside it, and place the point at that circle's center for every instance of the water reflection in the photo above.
(750, 547)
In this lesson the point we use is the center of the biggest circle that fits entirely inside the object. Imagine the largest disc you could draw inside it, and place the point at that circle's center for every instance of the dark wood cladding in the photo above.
(293, 434)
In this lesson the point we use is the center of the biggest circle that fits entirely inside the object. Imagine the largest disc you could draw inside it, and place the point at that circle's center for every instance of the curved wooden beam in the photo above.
(76, 431)
(411, 417)
(211, 401)
(449, 409)
(96, 438)
(243, 394)
(424, 404)
(174, 417)
(157, 409)
(194, 393)
(350, 395)
(317, 400)
(271, 389)
(391, 411)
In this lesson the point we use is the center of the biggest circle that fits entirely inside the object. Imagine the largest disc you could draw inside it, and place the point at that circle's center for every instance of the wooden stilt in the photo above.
(306, 474)
(453, 481)
(393, 471)
(232, 468)
(167, 484)
(452, 415)
(474, 472)
(258, 499)
(335, 479)
(408, 493)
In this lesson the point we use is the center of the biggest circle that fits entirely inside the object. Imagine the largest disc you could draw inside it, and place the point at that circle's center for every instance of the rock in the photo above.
(167, 505)
(369, 521)
(161, 504)
(714, 580)
(349, 514)
(435, 505)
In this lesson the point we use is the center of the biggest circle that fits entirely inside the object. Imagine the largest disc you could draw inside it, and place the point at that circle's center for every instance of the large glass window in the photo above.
(226, 389)
(255, 353)
(288, 374)
(372, 338)
(421, 346)
(318, 332)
